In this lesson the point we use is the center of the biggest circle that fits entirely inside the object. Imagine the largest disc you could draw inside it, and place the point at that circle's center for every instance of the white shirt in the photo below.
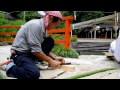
(117, 49)
(112, 46)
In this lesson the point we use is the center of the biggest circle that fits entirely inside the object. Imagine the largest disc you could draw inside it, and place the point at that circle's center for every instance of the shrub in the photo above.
(61, 25)
(61, 37)
(57, 37)
(74, 38)
(59, 50)
(2, 15)
(6, 22)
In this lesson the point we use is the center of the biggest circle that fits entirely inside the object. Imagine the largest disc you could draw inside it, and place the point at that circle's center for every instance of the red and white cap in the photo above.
(52, 13)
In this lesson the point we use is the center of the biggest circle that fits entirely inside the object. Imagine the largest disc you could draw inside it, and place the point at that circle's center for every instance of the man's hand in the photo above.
(54, 63)
(60, 59)
(57, 58)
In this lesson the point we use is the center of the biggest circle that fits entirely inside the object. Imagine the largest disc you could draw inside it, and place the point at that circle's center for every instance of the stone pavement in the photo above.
(81, 65)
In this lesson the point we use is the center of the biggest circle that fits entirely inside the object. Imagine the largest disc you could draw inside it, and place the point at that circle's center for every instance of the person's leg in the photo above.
(47, 45)
(24, 68)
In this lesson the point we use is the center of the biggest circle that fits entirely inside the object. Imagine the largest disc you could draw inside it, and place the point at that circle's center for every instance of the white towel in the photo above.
(112, 46)
(117, 49)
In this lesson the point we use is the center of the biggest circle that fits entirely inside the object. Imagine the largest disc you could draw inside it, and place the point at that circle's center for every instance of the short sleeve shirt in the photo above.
(30, 36)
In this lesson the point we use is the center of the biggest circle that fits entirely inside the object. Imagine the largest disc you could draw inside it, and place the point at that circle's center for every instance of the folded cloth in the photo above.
(8, 66)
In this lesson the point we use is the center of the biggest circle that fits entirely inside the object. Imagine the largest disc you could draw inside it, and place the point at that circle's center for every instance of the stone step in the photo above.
(94, 47)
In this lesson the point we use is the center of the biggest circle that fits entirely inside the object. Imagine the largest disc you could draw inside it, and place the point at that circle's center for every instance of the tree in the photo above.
(91, 15)
(67, 13)
(28, 15)
(84, 16)
(81, 16)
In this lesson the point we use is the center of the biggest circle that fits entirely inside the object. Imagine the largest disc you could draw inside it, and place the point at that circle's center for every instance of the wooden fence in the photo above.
(66, 30)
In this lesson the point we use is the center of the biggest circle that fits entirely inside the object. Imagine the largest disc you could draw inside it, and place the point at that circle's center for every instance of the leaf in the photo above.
(89, 73)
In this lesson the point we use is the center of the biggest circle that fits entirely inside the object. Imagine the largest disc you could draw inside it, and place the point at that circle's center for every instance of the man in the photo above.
(31, 44)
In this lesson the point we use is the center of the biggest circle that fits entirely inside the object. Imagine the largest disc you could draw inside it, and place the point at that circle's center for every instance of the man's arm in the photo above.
(53, 56)
(57, 58)
(46, 58)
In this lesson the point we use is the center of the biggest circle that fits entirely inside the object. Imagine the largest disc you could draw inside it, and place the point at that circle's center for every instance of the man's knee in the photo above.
(47, 45)
(33, 74)
(50, 40)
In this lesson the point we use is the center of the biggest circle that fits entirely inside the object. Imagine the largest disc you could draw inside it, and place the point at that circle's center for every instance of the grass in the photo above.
(2, 76)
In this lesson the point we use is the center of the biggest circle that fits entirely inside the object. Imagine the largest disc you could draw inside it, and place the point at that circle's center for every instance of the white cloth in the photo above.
(112, 46)
(117, 49)
(41, 13)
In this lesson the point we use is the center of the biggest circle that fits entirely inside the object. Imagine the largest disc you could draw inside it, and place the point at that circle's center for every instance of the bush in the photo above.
(2, 15)
(28, 15)
(59, 50)
(57, 37)
(74, 38)
(61, 37)
(5, 22)
(61, 25)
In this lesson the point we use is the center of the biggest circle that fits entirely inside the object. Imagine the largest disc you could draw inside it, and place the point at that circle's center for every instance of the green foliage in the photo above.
(64, 13)
(83, 16)
(2, 76)
(76, 31)
(6, 36)
(56, 49)
(67, 13)
(89, 73)
(61, 25)
(33, 14)
(91, 15)
(3, 22)
(28, 15)
(59, 49)
(2, 15)
(57, 37)
(64, 52)
(7, 22)
(16, 22)
(74, 38)
(61, 37)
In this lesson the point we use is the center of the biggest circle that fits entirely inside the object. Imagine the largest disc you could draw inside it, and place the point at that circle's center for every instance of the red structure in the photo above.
(66, 30)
